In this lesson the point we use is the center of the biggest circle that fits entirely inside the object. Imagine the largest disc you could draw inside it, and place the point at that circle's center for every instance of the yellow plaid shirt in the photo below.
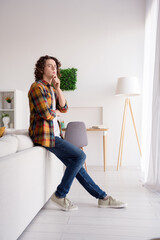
(41, 128)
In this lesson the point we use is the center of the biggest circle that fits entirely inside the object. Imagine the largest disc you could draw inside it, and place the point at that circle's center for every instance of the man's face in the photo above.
(50, 69)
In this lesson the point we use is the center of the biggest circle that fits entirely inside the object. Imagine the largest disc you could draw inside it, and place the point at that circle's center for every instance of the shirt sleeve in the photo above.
(61, 109)
(41, 104)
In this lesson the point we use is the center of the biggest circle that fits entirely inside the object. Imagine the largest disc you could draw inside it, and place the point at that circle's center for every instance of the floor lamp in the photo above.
(127, 86)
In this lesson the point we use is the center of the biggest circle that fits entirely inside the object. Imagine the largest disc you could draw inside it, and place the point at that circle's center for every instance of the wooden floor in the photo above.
(139, 221)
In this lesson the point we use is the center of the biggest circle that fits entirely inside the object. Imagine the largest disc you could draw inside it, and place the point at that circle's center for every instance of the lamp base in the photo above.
(127, 102)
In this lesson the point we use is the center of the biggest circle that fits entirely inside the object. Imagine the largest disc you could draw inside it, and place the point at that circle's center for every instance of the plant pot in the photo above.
(5, 121)
(8, 105)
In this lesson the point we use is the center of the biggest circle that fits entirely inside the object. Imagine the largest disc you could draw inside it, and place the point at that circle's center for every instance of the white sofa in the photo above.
(28, 177)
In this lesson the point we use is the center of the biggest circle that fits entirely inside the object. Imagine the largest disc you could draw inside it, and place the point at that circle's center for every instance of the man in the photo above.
(46, 101)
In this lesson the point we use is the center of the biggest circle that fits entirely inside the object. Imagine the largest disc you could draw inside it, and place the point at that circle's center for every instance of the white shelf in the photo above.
(17, 110)
(6, 110)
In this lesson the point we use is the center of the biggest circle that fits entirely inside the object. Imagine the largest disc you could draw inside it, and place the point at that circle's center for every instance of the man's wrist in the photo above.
(58, 90)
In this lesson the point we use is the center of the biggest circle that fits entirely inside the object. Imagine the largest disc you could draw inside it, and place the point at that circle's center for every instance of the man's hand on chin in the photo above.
(56, 82)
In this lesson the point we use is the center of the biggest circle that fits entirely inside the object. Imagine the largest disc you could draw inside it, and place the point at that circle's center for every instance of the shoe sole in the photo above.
(121, 206)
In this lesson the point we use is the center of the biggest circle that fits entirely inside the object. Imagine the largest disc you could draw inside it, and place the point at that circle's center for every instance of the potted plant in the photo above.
(8, 101)
(5, 119)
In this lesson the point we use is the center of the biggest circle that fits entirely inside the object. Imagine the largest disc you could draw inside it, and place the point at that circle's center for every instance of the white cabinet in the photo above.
(17, 109)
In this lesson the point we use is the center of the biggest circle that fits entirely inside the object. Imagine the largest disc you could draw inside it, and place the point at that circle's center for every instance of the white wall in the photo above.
(102, 38)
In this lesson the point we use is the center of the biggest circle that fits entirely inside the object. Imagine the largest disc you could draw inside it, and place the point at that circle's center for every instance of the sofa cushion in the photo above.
(8, 145)
(24, 142)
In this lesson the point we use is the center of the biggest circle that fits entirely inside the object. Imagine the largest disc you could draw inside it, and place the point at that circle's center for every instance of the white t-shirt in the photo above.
(55, 123)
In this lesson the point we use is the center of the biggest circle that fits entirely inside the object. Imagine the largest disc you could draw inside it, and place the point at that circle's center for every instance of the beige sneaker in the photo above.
(64, 203)
(111, 203)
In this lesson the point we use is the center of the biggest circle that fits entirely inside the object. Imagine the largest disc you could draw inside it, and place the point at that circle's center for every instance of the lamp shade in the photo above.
(127, 86)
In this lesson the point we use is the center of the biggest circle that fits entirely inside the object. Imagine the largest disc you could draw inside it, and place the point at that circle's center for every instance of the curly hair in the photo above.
(40, 64)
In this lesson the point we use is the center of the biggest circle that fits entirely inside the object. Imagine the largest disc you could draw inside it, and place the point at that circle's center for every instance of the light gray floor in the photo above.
(139, 221)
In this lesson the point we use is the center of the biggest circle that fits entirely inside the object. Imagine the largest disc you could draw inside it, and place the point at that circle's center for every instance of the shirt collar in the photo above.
(45, 83)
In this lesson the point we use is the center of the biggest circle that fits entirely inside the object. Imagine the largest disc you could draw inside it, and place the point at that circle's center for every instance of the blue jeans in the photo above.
(73, 158)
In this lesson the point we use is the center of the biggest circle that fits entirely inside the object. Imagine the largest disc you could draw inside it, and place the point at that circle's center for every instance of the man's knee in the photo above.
(82, 156)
